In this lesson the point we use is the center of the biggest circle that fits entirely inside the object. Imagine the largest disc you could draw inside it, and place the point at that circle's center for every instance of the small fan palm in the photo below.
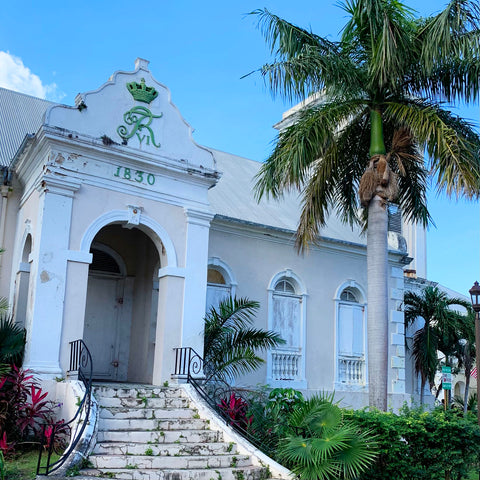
(231, 343)
(322, 445)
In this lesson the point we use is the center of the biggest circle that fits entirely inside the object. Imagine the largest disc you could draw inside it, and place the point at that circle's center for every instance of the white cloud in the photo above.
(14, 75)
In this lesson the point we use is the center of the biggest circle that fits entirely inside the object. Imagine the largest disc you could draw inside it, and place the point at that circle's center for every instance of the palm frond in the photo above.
(324, 445)
(286, 39)
(406, 160)
(298, 77)
(451, 143)
(300, 147)
(12, 341)
(455, 79)
(452, 33)
(304, 62)
(392, 47)
(230, 342)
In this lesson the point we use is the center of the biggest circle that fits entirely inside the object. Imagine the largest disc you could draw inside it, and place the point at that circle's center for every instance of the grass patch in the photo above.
(23, 465)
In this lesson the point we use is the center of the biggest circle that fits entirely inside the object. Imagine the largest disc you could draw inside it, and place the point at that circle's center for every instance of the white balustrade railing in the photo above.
(351, 371)
(286, 365)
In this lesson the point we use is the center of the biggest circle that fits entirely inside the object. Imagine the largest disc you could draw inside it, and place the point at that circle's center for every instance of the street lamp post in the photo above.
(475, 296)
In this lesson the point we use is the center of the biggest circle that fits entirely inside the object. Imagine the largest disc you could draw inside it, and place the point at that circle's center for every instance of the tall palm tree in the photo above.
(465, 350)
(381, 91)
(231, 344)
(441, 331)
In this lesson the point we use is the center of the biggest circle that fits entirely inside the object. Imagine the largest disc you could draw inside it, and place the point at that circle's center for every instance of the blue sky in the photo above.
(200, 50)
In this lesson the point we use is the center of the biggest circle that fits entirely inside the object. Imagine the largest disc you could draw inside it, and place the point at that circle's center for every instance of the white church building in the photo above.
(120, 230)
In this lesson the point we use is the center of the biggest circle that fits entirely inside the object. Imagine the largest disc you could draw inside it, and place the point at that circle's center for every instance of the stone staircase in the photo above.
(152, 433)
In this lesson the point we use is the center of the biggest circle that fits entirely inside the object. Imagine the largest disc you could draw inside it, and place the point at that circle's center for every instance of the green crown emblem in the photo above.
(141, 92)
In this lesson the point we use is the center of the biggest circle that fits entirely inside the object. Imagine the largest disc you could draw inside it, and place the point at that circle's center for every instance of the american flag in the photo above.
(473, 373)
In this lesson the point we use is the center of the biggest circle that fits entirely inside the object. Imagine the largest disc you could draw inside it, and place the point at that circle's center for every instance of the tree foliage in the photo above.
(378, 104)
(442, 329)
(12, 343)
(421, 445)
(387, 61)
(322, 445)
(231, 343)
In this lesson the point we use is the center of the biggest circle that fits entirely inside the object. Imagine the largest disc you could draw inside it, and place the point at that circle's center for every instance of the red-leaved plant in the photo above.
(23, 409)
(236, 408)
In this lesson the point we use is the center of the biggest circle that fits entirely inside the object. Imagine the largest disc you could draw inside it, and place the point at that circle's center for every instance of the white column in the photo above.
(74, 303)
(169, 314)
(196, 263)
(49, 271)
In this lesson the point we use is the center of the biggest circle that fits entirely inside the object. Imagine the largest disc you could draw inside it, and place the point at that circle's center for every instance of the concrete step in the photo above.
(146, 413)
(160, 437)
(245, 473)
(138, 392)
(126, 424)
(167, 449)
(142, 402)
(152, 433)
(169, 463)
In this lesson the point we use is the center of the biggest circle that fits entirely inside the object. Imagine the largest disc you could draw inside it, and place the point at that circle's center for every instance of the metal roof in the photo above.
(233, 197)
(20, 115)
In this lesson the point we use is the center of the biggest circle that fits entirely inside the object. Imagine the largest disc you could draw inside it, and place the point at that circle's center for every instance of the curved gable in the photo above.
(133, 109)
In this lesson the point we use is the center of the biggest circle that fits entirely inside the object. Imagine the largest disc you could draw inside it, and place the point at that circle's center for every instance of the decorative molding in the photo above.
(224, 269)
(350, 283)
(134, 214)
(24, 267)
(160, 237)
(300, 287)
(171, 272)
(59, 185)
(79, 257)
(198, 217)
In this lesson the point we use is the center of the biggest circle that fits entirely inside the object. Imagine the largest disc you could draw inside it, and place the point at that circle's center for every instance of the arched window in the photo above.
(351, 335)
(287, 297)
(106, 261)
(220, 282)
(22, 284)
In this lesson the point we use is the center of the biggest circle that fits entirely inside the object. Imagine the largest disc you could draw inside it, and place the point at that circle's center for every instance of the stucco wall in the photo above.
(256, 255)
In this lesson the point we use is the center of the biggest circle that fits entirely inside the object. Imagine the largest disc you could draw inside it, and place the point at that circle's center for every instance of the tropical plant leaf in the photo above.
(12, 341)
(230, 342)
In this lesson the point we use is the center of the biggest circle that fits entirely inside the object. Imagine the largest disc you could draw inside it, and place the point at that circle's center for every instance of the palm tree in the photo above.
(439, 333)
(465, 350)
(380, 107)
(321, 445)
(230, 343)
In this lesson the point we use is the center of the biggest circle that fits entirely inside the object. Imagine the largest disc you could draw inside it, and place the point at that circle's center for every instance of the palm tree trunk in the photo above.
(422, 389)
(467, 391)
(377, 276)
(377, 318)
(468, 371)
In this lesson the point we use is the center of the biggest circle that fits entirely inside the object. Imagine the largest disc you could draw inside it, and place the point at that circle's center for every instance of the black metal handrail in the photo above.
(80, 362)
(190, 366)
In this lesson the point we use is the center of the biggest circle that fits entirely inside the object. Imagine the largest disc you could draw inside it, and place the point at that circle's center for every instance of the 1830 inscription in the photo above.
(136, 175)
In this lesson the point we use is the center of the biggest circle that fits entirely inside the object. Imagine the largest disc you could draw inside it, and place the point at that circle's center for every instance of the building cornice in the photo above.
(283, 236)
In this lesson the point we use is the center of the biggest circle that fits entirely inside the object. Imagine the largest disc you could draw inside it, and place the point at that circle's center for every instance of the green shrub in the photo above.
(421, 445)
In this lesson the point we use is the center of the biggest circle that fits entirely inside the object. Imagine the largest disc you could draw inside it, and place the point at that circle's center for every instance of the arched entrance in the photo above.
(121, 306)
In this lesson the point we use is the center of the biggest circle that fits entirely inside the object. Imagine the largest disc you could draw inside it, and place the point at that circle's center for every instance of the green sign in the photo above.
(447, 378)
